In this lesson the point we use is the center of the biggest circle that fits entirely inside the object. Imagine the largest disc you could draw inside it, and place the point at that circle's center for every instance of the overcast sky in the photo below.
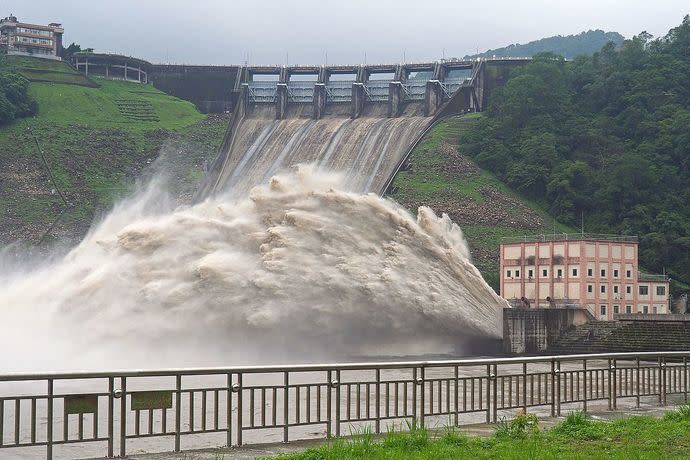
(343, 31)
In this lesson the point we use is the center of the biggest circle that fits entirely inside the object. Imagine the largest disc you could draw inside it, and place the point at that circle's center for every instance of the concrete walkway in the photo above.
(271, 450)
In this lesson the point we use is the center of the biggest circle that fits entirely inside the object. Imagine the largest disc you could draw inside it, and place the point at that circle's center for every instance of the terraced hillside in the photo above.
(45, 70)
(96, 139)
(441, 177)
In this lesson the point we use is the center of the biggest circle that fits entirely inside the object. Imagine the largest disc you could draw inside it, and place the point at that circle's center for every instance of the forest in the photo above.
(602, 140)
(567, 46)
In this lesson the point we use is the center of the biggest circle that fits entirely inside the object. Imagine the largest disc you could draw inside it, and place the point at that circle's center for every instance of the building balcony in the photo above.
(653, 278)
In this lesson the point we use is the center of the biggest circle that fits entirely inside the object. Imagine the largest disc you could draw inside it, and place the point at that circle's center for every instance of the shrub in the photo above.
(520, 427)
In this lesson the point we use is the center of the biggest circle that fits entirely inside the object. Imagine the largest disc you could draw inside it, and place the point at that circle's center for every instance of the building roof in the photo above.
(568, 237)
(14, 22)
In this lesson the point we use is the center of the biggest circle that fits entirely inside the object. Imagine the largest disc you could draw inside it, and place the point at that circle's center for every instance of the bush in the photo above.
(683, 413)
(15, 101)
(579, 425)
(520, 427)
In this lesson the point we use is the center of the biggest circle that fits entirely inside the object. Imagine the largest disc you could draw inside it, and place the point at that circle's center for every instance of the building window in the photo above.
(628, 309)
(509, 274)
(628, 274)
(616, 309)
(589, 288)
(661, 290)
(645, 309)
(655, 310)
(574, 271)
(603, 289)
(530, 273)
(615, 273)
(517, 273)
(615, 289)
(589, 272)
(603, 272)
(559, 272)
(545, 273)
(628, 289)
(603, 310)
(644, 290)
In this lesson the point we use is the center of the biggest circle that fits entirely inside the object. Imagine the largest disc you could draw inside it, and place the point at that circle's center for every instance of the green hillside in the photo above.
(445, 179)
(96, 140)
(567, 46)
(604, 139)
(47, 70)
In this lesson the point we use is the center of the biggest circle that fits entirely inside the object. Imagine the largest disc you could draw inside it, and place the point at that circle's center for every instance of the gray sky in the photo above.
(306, 31)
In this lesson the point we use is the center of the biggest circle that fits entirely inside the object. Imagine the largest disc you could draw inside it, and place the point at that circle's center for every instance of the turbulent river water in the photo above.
(298, 270)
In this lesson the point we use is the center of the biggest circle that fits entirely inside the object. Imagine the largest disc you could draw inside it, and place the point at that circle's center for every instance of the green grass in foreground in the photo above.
(578, 436)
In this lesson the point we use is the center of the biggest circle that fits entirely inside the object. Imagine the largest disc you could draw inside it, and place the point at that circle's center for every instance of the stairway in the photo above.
(622, 336)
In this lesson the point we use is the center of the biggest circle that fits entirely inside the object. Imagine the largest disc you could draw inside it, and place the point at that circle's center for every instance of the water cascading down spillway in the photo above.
(268, 266)
(358, 130)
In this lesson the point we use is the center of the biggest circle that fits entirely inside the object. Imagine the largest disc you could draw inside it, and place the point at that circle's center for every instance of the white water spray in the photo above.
(298, 271)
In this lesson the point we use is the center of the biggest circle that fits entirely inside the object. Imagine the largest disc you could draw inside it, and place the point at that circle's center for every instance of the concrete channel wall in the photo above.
(534, 331)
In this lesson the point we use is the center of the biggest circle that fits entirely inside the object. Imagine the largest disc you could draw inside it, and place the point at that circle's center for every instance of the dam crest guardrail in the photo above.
(235, 403)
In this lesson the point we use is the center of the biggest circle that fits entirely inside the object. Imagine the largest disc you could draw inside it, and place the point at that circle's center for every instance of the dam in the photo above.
(360, 121)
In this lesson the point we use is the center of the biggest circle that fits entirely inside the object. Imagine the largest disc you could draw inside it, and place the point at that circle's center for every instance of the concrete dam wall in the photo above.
(359, 121)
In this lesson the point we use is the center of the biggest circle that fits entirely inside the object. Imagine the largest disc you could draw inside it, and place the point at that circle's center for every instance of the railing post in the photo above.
(178, 411)
(663, 376)
(123, 418)
(524, 387)
(286, 405)
(488, 393)
(457, 400)
(558, 388)
(422, 400)
(239, 409)
(49, 434)
(660, 381)
(111, 415)
(615, 383)
(610, 384)
(414, 396)
(553, 388)
(637, 383)
(228, 410)
(685, 378)
(494, 389)
(378, 401)
(329, 401)
(584, 385)
(337, 404)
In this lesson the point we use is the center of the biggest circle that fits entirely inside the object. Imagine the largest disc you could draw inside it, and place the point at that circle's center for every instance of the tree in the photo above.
(605, 136)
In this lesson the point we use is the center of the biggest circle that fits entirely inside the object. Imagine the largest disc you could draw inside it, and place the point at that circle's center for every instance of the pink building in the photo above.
(597, 272)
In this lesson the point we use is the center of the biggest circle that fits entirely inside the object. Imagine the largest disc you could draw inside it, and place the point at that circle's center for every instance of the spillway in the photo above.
(367, 149)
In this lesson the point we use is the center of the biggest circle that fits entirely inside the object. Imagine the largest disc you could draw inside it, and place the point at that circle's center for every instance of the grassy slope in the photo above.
(95, 151)
(576, 437)
(442, 178)
(46, 70)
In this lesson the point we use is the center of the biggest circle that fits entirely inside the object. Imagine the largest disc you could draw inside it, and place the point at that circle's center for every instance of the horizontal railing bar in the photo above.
(325, 367)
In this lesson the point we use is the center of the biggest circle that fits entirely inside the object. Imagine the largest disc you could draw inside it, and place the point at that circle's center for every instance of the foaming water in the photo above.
(297, 271)
(367, 149)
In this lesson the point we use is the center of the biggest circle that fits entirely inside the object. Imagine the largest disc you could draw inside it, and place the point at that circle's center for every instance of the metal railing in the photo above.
(569, 237)
(238, 403)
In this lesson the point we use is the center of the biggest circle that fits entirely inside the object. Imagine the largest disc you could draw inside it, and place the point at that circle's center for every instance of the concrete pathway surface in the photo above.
(269, 450)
